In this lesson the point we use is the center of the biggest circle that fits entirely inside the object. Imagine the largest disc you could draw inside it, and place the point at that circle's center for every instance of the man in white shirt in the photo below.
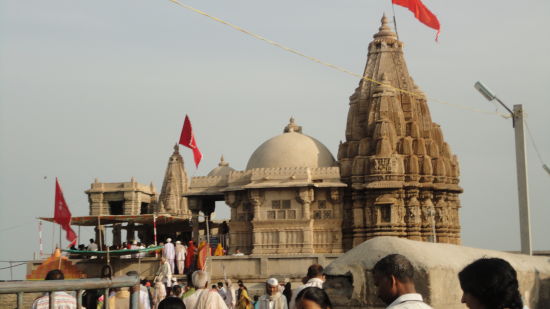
(393, 277)
(230, 299)
(180, 257)
(238, 253)
(203, 298)
(169, 253)
(92, 246)
(164, 274)
(273, 299)
(315, 277)
(61, 300)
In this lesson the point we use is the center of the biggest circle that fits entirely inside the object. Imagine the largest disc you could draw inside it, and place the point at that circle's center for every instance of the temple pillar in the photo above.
(359, 233)
(130, 232)
(195, 224)
(256, 199)
(117, 234)
(100, 236)
(305, 196)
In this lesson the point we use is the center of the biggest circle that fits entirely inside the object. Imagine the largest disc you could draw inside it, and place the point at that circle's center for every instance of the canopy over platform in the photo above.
(113, 252)
(112, 219)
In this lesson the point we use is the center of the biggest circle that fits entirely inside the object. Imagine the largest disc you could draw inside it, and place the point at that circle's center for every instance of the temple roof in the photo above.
(175, 184)
(223, 169)
(291, 149)
(391, 140)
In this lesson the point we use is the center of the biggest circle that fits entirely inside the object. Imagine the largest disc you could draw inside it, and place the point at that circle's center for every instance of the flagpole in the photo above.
(53, 237)
(394, 21)
(40, 237)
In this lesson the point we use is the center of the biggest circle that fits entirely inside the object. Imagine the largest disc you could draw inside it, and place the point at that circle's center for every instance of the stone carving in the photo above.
(175, 184)
(305, 196)
(393, 133)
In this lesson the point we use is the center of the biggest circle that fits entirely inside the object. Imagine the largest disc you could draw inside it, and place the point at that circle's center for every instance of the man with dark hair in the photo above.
(92, 246)
(315, 277)
(393, 277)
(177, 290)
(62, 300)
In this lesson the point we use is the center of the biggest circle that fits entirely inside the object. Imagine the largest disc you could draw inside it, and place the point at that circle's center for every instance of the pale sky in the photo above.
(99, 89)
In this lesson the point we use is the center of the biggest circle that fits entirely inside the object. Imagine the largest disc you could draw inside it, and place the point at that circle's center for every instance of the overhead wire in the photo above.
(14, 226)
(12, 266)
(327, 64)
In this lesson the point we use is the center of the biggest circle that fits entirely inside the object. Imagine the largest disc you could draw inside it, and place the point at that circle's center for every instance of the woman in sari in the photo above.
(219, 250)
(202, 253)
(190, 258)
(244, 301)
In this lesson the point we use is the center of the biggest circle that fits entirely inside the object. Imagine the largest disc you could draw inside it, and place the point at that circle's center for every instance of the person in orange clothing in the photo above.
(219, 250)
(190, 258)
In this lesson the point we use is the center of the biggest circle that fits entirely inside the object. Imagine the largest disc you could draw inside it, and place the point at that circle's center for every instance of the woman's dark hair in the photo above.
(171, 303)
(176, 290)
(493, 282)
(316, 295)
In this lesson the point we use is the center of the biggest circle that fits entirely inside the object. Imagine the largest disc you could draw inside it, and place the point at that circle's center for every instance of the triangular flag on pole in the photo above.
(62, 214)
(421, 13)
(187, 139)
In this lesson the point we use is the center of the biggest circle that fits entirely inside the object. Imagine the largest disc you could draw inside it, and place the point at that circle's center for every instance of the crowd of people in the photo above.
(487, 283)
(176, 253)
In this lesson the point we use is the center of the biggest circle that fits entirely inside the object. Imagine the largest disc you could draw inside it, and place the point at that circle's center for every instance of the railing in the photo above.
(79, 285)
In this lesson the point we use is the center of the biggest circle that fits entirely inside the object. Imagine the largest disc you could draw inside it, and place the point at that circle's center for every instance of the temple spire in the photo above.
(395, 156)
(174, 185)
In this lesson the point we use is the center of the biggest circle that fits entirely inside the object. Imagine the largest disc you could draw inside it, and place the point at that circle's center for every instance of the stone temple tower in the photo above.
(401, 174)
(175, 184)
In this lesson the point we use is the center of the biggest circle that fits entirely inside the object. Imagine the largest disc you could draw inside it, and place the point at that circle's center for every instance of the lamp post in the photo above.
(521, 167)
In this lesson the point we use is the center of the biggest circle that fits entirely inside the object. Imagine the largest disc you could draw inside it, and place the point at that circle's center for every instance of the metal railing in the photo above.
(79, 285)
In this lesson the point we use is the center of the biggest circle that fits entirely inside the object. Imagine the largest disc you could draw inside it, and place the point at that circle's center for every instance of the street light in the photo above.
(521, 167)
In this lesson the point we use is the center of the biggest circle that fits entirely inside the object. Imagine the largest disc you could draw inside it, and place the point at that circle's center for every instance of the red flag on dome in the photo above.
(187, 139)
(62, 214)
(421, 13)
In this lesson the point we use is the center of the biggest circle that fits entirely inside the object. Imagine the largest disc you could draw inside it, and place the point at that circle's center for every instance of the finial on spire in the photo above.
(176, 148)
(292, 127)
(385, 30)
(222, 162)
(384, 20)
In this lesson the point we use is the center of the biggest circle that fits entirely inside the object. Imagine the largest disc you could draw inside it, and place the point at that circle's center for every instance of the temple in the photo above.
(394, 176)
(401, 176)
(287, 200)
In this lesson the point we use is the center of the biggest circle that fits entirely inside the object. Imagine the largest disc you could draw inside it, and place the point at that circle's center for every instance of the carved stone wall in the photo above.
(286, 220)
(402, 176)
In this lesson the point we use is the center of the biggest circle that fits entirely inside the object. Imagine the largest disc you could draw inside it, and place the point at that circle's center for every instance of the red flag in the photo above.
(187, 139)
(62, 214)
(421, 13)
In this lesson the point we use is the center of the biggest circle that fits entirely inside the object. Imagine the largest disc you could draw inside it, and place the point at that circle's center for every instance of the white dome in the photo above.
(291, 149)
